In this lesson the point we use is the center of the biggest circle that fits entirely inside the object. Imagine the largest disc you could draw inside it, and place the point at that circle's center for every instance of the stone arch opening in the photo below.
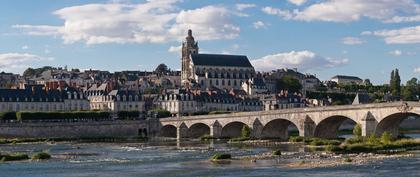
(197, 130)
(329, 127)
(232, 130)
(279, 129)
(168, 131)
(394, 122)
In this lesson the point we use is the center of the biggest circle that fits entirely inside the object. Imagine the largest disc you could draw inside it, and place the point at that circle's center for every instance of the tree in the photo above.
(29, 72)
(245, 132)
(368, 83)
(161, 69)
(357, 131)
(410, 91)
(289, 83)
(395, 83)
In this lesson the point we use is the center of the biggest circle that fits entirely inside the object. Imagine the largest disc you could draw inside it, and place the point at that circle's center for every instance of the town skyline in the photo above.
(359, 43)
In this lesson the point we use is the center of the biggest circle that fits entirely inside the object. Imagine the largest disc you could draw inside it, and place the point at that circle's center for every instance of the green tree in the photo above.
(372, 139)
(357, 130)
(395, 83)
(161, 69)
(289, 83)
(245, 132)
(410, 91)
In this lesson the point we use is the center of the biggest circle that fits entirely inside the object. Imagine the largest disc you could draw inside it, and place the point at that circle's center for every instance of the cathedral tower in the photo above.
(189, 46)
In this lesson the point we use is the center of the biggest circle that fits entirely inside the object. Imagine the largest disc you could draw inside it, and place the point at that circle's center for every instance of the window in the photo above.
(217, 82)
(223, 82)
(228, 82)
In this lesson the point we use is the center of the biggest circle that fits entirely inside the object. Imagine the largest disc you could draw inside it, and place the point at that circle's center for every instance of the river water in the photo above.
(174, 159)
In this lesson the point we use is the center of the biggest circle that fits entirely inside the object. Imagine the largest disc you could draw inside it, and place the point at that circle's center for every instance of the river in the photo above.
(172, 159)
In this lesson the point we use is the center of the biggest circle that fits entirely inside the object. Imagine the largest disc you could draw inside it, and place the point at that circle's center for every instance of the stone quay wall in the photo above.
(75, 129)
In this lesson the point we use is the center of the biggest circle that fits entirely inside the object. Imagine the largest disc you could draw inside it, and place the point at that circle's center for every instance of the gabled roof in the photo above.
(220, 60)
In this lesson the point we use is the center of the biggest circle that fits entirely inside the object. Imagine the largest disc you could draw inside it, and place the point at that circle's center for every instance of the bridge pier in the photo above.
(181, 132)
(257, 129)
(308, 128)
(216, 130)
(368, 124)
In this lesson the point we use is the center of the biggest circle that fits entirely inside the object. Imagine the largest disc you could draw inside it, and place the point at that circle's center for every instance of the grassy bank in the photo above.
(400, 145)
(316, 141)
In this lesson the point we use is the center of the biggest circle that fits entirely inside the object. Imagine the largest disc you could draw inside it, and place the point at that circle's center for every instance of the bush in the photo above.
(220, 156)
(348, 159)
(41, 156)
(386, 138)
(128, 114)
(245, 132)
(160, 113)
(333, 148)
(296, 139)
(357, 130)
(372, 139)
(206, 137)
(8, 115)
(354, 140)
(276, 152)
(13, 157)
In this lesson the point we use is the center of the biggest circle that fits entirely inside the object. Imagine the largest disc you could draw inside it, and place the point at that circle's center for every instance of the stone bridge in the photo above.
(319, 121)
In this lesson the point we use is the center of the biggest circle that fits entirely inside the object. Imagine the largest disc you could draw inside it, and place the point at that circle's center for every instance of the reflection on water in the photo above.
(177, 159)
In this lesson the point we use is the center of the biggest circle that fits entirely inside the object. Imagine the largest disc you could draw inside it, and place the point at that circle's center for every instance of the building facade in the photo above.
(213, 70)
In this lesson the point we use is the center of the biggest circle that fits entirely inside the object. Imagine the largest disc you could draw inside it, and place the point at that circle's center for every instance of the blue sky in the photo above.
(323, 37)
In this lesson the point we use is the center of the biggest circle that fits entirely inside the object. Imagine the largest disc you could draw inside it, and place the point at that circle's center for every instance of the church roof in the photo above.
(220, 60)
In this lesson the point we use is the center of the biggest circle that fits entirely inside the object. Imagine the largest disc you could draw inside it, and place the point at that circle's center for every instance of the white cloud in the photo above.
(407, 35)
(400, 52)
(259, 25)
(396, 52)
(15, 59)
(241, 7)
(417, 70)
(149, 22)
(304, 60)
(25, 47)
(285, 14)
(400, 19)
(175, 49)
(209, 23)
(351, 10)
(297, 2)
(352, 41)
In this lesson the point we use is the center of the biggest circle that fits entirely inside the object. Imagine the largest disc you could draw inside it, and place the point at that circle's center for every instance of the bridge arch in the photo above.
(198, 129)
(278, 128)
(232, 129)
(328, 127)
(168, 131)
(391, 123)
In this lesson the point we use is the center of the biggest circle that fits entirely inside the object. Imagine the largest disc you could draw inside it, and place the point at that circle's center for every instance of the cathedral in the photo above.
(213, 70)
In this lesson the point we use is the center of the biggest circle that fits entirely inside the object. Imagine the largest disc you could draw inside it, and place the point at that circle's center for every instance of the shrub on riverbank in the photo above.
(4, 116)
(41, 156)
(367, 146)
(276, 152)
(128, 114)
(206, 137)
(13, 157)
(221, 156)
(315, 141)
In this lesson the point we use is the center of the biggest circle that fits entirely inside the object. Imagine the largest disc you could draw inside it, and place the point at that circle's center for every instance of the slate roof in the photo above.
(220, 60)
(346, 77)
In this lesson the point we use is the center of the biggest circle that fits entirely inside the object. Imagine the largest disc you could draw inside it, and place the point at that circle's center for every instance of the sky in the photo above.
(364, 38)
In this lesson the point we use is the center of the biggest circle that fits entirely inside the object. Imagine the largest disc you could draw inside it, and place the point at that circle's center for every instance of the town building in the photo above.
(347, 80)
(208, 70)
(38, 99)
